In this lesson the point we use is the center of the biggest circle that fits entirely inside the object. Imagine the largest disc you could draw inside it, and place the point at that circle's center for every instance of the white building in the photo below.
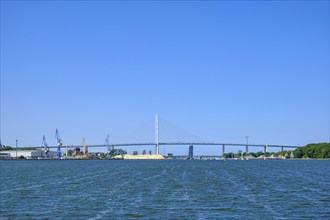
(28, 154)
(4, 155)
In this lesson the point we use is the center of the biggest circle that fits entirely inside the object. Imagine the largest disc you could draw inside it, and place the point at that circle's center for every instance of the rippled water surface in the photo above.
(164, 189)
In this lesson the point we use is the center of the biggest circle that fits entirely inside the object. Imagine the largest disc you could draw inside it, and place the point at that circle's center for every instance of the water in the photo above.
(165, 189)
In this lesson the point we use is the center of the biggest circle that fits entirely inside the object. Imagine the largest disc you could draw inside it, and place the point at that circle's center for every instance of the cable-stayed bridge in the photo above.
(166, 133)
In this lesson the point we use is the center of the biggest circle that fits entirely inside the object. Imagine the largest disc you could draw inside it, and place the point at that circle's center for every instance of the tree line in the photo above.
(317, 151)
(314, 151)
(9, 148)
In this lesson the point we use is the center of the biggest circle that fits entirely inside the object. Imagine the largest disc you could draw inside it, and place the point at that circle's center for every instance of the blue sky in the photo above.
(221, 70)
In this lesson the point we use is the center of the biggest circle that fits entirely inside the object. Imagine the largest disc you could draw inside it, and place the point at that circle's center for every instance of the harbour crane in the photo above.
(45, 146)
(85, 156)
(107, 143)
(59, 144)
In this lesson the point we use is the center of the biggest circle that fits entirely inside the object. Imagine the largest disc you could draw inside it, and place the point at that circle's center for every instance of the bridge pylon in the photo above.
(157, 133)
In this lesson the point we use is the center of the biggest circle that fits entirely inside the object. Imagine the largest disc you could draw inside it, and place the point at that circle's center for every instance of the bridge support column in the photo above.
(223, 150)
(157, 133)
(282, 149)
(247, 150)
(157, 149)
(265, 151)
(191, 152)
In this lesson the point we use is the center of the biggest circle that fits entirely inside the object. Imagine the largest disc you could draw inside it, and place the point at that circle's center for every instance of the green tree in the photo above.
(259, 153)
(319, 150)
(144, 152)
(298, 153)
(135, 152)
(230, 155)
(252, 154)
(5, 148)
(287, 154)
(115, 152)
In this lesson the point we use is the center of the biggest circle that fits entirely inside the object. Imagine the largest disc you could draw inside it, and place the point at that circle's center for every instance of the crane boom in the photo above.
(85, 156)
(59, 143)
(45, 146)
(107, 143)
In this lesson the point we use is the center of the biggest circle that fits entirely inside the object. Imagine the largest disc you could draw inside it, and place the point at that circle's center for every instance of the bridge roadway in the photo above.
(179, 143)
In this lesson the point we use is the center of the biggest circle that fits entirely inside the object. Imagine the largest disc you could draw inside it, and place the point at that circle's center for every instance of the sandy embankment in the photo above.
(140, 157)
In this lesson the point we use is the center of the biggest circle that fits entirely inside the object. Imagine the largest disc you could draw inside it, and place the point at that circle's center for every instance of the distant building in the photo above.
(77, 152)
(4, 155)
(191, 152)
(28, 154)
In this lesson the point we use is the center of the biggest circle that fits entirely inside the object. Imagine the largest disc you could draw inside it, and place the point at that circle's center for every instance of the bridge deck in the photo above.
(178, 143)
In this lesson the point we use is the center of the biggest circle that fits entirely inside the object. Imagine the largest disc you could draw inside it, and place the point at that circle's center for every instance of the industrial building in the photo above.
(27, 154)
(4, 155)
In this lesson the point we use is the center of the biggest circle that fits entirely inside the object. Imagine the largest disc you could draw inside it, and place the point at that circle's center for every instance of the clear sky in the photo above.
(221, 70)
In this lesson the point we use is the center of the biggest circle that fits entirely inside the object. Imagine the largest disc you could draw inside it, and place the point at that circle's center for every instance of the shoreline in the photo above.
(163, 158)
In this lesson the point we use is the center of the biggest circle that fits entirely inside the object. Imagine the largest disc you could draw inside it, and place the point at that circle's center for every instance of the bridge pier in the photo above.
(247, 149)
(265, 151)
(157, 149)
(282, 149)
(223, 150)
(157, 134)
(191, 152)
